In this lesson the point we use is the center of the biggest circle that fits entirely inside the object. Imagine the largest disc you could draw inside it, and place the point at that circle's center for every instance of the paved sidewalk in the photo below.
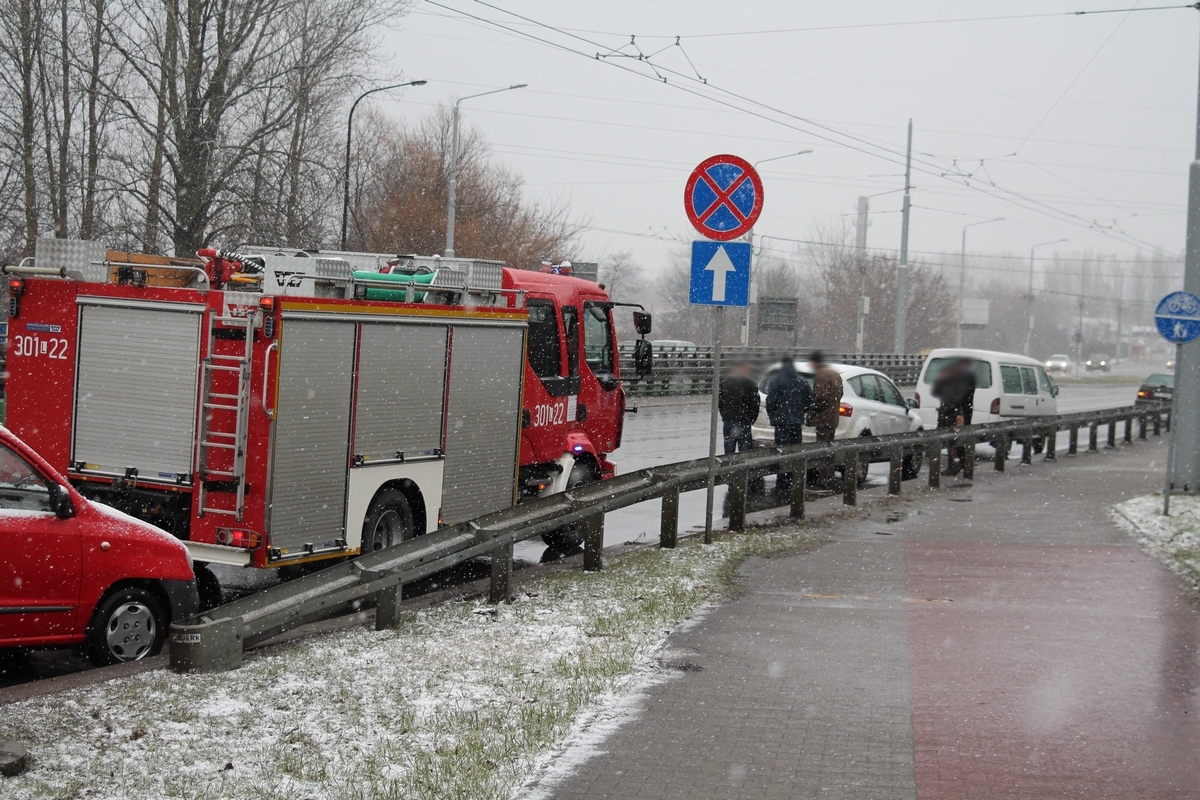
(1000, 640)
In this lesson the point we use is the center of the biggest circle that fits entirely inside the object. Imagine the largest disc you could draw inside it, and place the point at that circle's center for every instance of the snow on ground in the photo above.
(464, 700)
(1173, 540)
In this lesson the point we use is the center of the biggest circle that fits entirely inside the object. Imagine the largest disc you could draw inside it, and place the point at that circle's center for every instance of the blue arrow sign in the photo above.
(1178, 317)
(720, 274)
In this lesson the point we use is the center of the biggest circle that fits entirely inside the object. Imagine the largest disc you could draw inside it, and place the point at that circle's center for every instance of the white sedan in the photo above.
(871, 406)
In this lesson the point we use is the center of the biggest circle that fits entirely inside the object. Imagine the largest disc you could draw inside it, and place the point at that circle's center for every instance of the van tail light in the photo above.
(845, 409)
(917, 399)
(237, 537)
(996, 406)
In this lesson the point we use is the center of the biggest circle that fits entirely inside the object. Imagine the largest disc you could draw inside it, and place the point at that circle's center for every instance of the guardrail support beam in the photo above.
(1002, 443)
(737, 501)
(934, 456)
(1128, 430)
(1142, 426)
(969, 458)
(799, 483)
(1073, 442)
(500, 586)
(214, 646)
(1027, 447)
(850, 482)
(593, 543)
(894, 471)
(1158, 423)
(1092, 431)
(668, 534)
(1050, 444)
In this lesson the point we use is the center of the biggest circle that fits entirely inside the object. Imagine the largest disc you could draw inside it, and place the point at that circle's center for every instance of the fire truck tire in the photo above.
(389, 521)
(569, 537)
(208, 586)
(129, 625)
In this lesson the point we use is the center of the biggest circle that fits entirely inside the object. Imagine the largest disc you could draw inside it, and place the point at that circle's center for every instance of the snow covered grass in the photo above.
(1173, 540)
(464, 700)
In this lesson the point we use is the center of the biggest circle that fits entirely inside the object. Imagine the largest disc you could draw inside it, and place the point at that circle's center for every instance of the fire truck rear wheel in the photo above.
(569, 537)
(389, 521)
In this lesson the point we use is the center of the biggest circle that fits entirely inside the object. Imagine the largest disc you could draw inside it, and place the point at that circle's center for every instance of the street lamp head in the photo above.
(518, 86)
(418, 83)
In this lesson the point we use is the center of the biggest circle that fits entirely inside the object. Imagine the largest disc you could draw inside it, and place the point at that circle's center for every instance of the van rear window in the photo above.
(983, 370)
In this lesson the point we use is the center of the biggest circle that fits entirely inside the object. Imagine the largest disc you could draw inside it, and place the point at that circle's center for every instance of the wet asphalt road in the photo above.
(662, 432)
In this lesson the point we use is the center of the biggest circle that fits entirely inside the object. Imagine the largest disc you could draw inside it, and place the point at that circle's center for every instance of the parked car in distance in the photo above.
(1059, 362)
(75, 572)
(1158, 386)
(871, 406)
(1007, 386)
(1100, 362)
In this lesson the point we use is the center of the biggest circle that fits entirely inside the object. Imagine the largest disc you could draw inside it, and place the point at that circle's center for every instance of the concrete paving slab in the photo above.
(1000, 639)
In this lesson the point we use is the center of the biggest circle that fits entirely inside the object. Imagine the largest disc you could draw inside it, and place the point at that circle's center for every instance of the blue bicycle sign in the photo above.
(1178, 317)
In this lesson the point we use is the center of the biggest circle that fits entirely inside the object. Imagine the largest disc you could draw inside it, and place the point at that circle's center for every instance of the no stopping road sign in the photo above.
(723, 197)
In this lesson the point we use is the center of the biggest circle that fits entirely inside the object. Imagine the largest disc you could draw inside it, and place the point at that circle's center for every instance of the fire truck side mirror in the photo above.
(643, 357)
(641, 321)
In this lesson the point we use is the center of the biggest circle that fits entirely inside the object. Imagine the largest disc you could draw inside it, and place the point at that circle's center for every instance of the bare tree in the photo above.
(623, 277)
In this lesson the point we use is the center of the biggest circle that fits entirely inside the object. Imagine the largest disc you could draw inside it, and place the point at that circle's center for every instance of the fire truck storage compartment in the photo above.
(312, 435)
(135, 397)
(401, 391)
(486, 367)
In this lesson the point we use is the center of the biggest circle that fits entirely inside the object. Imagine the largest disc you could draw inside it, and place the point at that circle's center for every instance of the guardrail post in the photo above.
(213, 646)
(668, 534)
(1142, 425)
(1129, 430)
(1073, 442)
(499, 590)
(737, 501)
(894, 471)
(1158, 423)
(387, 601)
(969, 459)
(593, 543)
(1168, 419)
(1092, 431)
(934, 457)
(850, 482)
(1050, 444)
(799, 482)
(1027, 447)
(1001, 452)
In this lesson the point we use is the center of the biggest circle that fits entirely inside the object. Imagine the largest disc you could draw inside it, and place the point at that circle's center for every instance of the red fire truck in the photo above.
(281, 409)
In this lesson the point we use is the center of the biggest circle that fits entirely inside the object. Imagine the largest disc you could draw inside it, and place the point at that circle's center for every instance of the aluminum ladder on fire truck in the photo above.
(213, 439)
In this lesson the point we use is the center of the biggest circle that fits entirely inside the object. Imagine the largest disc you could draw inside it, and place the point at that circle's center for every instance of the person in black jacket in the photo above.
(788, 398)
(955, 388)
(738, 403)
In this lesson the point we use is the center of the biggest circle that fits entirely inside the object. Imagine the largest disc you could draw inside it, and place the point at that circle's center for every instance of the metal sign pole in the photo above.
(718, 330)
(1170, 484)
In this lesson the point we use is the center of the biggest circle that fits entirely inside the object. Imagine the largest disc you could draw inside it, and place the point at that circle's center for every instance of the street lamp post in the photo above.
(750, 239)
(1029, 297)
(860, 247)
(452, 201)
(349, 133)
(962, 277)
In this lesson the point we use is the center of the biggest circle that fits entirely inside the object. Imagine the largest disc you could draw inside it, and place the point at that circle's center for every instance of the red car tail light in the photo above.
(845, 409)
(996, 406)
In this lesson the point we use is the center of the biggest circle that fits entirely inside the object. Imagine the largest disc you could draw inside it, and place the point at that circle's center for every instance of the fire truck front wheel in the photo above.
(570, 537)
(389, 521)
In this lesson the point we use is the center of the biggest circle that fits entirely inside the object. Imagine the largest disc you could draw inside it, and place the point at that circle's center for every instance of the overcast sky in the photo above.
(1078, 127)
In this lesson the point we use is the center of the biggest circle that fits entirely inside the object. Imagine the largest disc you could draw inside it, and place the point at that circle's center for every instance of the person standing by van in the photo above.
(827, 397)
(955, 388)
(788, 397)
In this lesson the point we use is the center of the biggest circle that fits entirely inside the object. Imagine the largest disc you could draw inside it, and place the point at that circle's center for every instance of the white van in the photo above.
(1007, 386)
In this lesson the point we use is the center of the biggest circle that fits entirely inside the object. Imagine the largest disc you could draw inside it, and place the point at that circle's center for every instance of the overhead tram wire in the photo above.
(944, 172)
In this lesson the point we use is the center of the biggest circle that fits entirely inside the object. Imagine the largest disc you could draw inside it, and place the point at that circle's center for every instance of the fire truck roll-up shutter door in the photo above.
(312, 436)
(401, 386)
(135, 402)
(486, 367)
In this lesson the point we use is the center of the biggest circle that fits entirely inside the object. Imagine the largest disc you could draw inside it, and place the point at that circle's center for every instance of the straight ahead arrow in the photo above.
(719, 266)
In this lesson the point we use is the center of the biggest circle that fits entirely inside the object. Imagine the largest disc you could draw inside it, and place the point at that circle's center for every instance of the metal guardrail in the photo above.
(689, 371)
(215, 640)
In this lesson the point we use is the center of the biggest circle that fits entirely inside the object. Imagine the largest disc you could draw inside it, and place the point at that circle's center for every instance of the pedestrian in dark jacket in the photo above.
(955, 388)
(788, 398)
(739, 404)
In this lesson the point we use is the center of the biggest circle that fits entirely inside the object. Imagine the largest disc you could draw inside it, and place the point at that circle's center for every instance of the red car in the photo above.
(74, 572)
